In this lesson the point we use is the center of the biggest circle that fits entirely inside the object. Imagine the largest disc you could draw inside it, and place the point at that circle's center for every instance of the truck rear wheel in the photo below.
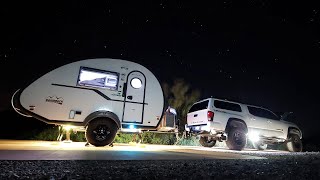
(236, 139)
(207, 141)
(101, 132)
(294, 144)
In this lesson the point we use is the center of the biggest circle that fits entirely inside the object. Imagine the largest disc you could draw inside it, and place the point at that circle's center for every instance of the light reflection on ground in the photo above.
(62, 145)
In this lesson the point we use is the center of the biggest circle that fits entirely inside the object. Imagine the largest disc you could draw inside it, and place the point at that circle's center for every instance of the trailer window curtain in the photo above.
(96, 78)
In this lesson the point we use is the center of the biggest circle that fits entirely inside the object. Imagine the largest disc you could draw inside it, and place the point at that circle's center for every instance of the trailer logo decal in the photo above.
(54, 99)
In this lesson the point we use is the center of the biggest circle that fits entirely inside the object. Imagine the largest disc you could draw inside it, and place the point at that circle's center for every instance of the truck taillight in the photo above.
(210, 115)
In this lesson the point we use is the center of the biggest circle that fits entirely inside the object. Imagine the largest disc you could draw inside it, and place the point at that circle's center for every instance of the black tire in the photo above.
(206, 142)
(260, 145)
(101, 132)
(236, 139)
(294, 143)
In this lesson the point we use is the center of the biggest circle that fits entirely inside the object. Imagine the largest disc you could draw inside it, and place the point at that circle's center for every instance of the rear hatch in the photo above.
(198, 114)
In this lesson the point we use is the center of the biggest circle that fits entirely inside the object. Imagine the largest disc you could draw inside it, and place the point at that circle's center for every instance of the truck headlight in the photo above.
(253, 136)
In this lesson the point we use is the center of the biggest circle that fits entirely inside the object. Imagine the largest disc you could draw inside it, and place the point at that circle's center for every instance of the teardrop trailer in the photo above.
(99, 96)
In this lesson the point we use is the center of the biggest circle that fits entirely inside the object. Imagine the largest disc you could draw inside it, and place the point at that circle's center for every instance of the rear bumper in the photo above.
(198, 128)
(201, 129)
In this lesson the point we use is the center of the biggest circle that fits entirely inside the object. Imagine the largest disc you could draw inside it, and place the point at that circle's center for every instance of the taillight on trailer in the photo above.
(210, 115)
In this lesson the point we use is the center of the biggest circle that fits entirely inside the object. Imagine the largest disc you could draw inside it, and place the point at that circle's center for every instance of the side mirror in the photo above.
(285, 115)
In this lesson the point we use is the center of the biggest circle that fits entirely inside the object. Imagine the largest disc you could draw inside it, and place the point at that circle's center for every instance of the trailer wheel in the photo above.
(207, 142)
(101, 132)
(236, 139)
(294, 144)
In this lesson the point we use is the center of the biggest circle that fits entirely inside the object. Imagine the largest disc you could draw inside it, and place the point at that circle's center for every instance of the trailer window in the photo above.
(98, 78)
(136, 83)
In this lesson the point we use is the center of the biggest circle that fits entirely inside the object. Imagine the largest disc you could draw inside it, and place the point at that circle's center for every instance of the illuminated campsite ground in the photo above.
(55, 150)
(72, 160)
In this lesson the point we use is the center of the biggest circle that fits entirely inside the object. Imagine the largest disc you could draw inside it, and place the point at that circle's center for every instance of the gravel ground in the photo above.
(304, 165)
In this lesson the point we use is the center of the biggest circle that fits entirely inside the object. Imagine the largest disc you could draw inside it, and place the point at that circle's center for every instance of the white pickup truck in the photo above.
(216, 119)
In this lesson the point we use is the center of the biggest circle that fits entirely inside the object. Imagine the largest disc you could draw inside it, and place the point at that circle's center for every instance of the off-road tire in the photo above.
(294, 143)
(101, 132)
(236, 139)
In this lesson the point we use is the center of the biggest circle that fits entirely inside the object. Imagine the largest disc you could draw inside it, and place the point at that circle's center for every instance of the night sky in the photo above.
(258, 52)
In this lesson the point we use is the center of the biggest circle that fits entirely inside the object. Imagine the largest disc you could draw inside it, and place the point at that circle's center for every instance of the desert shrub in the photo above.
(146, 137)
(48, 134)
(52, 133)
(189, 141)
(124, 138)
(158, 138)
(77, 136)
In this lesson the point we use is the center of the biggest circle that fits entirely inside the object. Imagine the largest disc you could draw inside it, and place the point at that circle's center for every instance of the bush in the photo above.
(48, 134)
(189, 141)
(124, 138)
(158, 138)
(52, 133)
(146, 137)
(78, 136)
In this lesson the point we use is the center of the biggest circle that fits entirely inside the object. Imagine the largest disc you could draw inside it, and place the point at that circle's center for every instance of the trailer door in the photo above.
(135, 96)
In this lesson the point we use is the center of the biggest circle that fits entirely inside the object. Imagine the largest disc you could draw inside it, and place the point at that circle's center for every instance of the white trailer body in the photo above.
(95, 92)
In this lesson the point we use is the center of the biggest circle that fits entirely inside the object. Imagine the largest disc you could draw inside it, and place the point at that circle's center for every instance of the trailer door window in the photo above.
(136, 83)
(98, 78)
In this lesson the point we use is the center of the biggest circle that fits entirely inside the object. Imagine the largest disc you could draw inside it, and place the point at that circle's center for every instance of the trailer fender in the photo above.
(99, 114)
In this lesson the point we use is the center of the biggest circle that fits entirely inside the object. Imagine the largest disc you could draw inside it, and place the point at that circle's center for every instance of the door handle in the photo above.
(195, 115)
(129, 97)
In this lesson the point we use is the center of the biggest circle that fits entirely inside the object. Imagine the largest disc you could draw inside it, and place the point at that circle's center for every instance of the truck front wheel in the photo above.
(236, 139)
(207, 141)
(294, 143)
(101, 132)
